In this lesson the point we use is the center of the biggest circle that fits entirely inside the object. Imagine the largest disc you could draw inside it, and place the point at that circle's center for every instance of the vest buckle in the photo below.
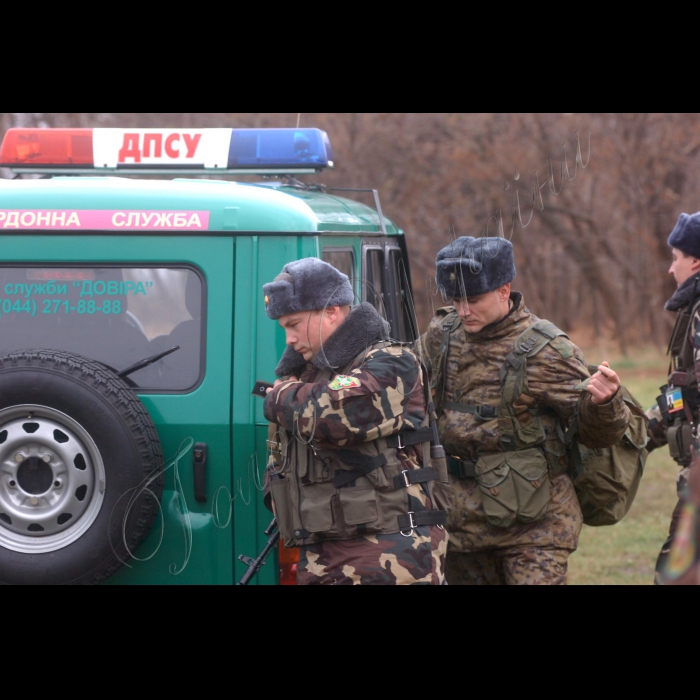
(412, 525)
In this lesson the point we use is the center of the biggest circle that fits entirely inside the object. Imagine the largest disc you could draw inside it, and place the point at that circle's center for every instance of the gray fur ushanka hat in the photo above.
(473, 266)
(307, 285)
(686, 235)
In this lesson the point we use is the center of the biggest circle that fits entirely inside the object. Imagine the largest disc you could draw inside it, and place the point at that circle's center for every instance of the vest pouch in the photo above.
(284, 508)
(316, 507)
(359, 507)
(514, 486)
(555, 452)
(530, 433)
(319, 469)
(679, 441)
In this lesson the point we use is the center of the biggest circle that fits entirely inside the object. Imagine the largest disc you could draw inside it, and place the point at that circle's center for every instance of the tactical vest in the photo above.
(679, 398)
(514, 483)
(341, 494)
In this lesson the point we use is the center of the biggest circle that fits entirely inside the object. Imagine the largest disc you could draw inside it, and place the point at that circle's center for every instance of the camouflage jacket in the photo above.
(360, 391)
(553, 378)
(385, 395)
(682, 302)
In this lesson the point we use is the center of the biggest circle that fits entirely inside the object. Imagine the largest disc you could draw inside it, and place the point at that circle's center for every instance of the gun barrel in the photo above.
(254, 564)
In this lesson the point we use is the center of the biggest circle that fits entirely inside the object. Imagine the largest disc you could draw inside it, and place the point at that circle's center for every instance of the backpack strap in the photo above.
(484, 413)
(513, 372)
(513, 378)
(450, 323)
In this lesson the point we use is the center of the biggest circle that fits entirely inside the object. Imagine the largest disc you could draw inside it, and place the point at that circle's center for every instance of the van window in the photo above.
(342, 259)
(374, 278)
(117, 316)
(401, 301)
(386, 287)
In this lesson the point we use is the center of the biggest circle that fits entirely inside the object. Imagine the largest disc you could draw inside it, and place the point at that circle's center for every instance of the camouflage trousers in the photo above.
(374, 560)
(681, 485)
(534, 566)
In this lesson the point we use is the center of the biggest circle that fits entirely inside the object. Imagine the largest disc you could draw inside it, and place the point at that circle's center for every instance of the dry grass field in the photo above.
(625, 554)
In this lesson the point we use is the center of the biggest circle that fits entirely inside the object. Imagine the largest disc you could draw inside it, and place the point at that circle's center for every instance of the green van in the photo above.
(132, 333)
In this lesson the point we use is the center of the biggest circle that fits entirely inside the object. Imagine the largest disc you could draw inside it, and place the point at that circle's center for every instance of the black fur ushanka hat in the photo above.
(686, 235)
(473, 266)
(307, 285)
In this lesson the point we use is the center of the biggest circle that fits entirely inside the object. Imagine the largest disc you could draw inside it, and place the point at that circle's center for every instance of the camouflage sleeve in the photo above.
(657, 429)
(555, 381)
(379, 398)
(602, 425)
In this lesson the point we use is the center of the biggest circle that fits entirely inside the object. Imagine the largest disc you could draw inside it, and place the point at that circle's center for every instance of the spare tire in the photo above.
(81, 469)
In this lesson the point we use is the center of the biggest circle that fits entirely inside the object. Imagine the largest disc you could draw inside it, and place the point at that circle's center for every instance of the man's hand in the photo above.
(604, 385)
(282, 381)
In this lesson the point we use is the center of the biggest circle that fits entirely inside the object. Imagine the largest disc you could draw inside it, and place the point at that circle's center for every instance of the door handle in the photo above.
(199, 467)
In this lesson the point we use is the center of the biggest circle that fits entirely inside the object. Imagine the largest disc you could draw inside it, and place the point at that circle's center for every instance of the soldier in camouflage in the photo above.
(674, 418)
(349, 474)
(531, 543)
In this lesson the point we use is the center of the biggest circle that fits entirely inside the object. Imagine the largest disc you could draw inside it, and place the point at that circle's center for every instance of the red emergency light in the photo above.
(47, 148)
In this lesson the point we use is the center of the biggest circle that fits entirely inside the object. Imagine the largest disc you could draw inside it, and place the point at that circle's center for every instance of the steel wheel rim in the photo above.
(52, 479)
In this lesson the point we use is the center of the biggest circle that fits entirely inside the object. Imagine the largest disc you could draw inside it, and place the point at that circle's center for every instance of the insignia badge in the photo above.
(343, 382)
(674, 399)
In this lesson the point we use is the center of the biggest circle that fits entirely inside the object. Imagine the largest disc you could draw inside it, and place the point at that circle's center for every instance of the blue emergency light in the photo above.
(280, 148)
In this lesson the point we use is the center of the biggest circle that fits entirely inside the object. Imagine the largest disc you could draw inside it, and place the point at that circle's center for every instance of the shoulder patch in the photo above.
(344, 382)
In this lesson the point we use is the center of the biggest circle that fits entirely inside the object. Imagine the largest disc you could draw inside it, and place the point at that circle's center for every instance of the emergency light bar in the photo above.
(175, 151)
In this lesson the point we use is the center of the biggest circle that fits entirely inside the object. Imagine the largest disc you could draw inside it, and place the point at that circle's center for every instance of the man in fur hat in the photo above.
(349, 474)
(673, 420)
(516, 517)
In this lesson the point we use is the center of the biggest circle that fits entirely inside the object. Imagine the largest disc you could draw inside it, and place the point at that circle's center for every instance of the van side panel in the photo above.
(185, 546)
